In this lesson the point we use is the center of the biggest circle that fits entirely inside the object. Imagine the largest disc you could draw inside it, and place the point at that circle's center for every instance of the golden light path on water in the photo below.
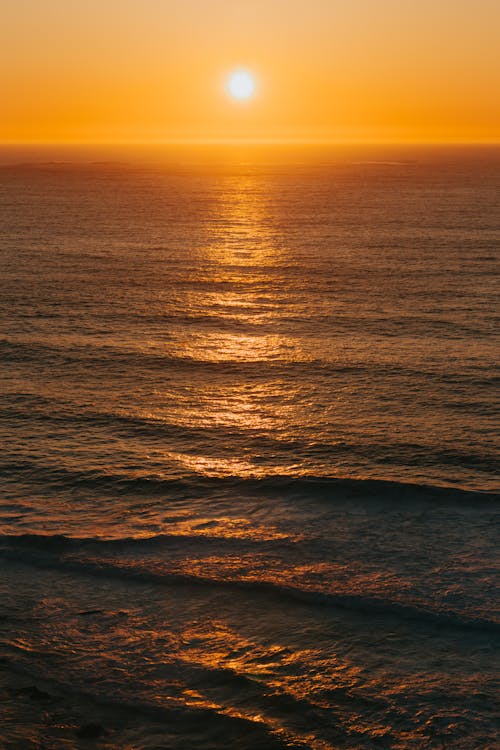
(240, 259)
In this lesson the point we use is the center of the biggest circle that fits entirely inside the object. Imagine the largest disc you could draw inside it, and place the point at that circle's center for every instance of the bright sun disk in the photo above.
(241, 84)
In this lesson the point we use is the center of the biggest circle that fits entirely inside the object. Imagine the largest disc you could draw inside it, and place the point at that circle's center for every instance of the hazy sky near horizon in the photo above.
(155, 70)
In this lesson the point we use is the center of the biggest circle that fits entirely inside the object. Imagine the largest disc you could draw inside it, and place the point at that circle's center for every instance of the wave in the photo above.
(307, 486)
(127, 425)
(62, 544)
(188, 721)
(15, 549)
(244, 704)
(112, 357)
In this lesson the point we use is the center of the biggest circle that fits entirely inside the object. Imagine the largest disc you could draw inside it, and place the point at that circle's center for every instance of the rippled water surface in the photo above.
(249, 459)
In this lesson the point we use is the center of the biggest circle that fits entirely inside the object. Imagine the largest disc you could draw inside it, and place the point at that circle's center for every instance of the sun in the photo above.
(241, 84)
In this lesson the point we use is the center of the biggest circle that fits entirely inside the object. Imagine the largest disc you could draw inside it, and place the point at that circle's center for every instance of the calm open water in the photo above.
(249, 459)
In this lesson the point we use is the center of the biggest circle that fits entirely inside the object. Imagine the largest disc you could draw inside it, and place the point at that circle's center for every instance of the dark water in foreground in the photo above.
(248, 463)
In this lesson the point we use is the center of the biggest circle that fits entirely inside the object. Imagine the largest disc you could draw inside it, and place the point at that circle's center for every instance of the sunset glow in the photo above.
(373, 71)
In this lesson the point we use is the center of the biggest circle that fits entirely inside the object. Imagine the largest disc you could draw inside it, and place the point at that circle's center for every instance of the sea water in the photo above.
(249, 458)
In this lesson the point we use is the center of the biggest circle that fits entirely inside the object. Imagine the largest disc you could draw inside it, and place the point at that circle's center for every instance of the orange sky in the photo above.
(341, 70)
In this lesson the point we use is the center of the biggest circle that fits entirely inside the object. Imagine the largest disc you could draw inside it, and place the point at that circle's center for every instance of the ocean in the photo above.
(249, 463)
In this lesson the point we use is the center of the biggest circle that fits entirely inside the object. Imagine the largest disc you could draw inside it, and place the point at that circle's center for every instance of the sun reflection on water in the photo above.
(237, 290)
(241, 231)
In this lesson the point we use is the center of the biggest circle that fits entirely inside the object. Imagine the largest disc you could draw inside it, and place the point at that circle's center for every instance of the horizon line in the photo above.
(253, 141)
